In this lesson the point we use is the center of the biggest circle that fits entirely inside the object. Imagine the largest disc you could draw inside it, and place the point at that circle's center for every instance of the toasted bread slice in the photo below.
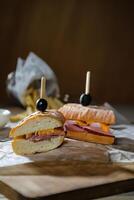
(91, 137)
(38, 121)
(87, 113)
(26, 147)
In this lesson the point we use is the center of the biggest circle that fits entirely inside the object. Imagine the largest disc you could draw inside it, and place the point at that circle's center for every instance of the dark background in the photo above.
(73, 36)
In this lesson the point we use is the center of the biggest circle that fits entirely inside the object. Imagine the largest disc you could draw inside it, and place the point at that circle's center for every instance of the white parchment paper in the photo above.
(123, 151)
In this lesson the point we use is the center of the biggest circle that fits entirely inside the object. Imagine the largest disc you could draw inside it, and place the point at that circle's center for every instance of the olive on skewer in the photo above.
(41, 103)
(85, 98)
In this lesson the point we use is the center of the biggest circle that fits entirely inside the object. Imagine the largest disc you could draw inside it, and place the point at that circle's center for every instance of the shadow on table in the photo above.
(67, 168)
(73, 158)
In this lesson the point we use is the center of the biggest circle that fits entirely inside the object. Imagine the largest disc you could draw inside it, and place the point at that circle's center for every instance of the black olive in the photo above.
(41, 105)
(85, 99)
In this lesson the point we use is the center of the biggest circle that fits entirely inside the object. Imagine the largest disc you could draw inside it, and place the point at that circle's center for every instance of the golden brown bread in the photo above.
(27, 147)
(91, 137)
(38, 121)
(90, 113)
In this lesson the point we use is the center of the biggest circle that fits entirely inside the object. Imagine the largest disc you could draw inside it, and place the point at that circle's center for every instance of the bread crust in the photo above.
(36, 115)
(90, 137)
(87, 114)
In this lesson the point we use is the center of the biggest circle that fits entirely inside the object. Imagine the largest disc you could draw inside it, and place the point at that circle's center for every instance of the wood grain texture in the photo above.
(76, 170)
(73, 37)
(115, 179)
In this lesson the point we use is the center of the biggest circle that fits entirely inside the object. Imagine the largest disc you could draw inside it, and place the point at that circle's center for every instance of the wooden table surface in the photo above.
(66, 181)
(76, 170)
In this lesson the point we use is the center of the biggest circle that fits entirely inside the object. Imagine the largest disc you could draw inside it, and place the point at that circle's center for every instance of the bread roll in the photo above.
(39, 132)
(38, 121)
(87, 113)
(26, 147)
(91, 137)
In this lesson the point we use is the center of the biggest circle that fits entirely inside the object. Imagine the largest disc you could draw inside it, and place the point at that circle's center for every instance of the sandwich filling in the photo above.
(92, 127)
(42, 135)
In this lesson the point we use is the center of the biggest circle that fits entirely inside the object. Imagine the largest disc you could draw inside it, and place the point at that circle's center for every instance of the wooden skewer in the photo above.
(85, 98)
(43, 88)
(41, 103)
(87, 87)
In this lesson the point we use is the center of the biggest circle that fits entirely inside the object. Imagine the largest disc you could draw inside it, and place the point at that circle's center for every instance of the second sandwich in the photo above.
(91, 124)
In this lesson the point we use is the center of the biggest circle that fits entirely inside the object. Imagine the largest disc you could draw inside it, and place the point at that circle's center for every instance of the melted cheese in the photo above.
(47, 132)
(103, 126)
(41, 133)
(80, 123)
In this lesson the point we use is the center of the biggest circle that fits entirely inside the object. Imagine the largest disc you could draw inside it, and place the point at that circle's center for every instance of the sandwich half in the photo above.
(91, 124)
(39, 132)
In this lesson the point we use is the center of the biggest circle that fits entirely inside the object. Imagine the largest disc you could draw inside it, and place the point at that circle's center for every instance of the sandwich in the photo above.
(91, 124)
(39, 132)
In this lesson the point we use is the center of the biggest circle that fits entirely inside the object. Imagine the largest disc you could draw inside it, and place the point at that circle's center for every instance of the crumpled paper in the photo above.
(123, 150)
(29, 71)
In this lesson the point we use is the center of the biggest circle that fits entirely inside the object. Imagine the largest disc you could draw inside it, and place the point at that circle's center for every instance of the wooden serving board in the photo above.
(76, 170)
